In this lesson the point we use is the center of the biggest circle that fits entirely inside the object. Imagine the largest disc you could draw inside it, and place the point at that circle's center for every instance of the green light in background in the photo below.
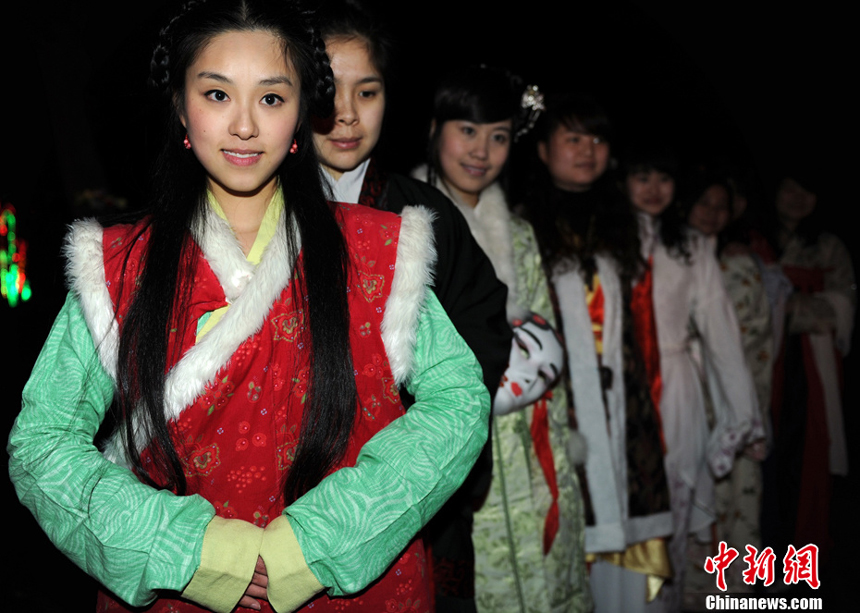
(14, 284)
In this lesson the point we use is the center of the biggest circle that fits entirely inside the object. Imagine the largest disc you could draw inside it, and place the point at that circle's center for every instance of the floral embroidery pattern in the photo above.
(261, 518)
(254, 391)
(371, 285)
(387, 235)
(370, 407)
(278, 378)
(202, 461)
(287, 325)
(374, 369)
(287, 451)
(223, 509)
(300, 384)
(247, 350)
(243, 476)
(393, 606)
(216, 397)
(390, 391)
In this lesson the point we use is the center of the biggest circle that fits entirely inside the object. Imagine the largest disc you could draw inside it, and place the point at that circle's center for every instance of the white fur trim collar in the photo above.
(490, 224)
(250, 291)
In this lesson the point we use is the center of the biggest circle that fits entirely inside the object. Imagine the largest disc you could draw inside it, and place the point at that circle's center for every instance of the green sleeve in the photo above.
(355, 523)
(130, 537)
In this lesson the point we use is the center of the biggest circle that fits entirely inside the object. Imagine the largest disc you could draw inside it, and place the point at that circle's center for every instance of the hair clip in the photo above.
(532, 103)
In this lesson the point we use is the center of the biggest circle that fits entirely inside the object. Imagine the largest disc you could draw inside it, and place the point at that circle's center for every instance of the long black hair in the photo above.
(809, 228)
(176, 208)
(672, 221)
(575, 227)
(693, 189)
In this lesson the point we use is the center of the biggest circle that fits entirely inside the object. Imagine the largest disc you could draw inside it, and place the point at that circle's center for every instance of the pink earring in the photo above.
(294, 147)
(186, 142)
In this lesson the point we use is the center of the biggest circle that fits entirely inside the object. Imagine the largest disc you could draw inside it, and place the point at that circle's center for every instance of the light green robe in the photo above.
(512, 573)
(138, 541)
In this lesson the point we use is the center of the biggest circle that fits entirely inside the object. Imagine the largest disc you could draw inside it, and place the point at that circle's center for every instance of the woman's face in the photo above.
(794, 202)
(472, 155)
(348, 138)
(575, 159)
(241, 109)
(650, 191)
(711, 212)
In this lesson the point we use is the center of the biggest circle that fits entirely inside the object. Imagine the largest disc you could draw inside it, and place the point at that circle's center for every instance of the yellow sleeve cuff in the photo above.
(227, 562)
(291, 582)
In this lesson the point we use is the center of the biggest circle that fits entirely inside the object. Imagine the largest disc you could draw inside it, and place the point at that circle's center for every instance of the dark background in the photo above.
(768, 88)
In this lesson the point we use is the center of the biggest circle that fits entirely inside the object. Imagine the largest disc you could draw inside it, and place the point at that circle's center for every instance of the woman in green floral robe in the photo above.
(524, 562)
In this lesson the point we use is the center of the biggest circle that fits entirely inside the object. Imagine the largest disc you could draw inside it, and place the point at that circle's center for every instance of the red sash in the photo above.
(645, 330)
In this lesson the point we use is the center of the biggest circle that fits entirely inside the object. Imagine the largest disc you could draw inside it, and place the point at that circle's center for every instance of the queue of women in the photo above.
(320, 385)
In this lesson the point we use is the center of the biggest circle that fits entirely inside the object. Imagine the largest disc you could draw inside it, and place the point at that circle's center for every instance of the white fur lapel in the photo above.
(490, 224)
(606, 460)
(224, 255)
(251, 294)
(416, 261)
(85, 272)
(253, 291)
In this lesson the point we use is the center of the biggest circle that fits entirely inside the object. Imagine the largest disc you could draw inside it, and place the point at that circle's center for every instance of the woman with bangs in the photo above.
(810, 445)
(738, 495)
(690, 302)
(589, 242)
(529, 532)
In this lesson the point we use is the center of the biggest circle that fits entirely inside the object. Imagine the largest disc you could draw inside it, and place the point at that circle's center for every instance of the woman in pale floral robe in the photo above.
(738, 494)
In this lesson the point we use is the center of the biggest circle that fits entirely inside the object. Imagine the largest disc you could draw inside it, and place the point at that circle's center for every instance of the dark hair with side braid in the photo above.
(176, 207)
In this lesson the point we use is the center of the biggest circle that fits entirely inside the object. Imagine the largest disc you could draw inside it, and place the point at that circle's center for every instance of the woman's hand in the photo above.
(756, 451)
(256, 590)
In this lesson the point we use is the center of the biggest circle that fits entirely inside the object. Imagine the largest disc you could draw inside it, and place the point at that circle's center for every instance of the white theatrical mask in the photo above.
(535, 364)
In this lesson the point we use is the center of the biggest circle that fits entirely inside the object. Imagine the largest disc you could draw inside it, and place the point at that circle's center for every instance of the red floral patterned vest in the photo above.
(238, 440)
